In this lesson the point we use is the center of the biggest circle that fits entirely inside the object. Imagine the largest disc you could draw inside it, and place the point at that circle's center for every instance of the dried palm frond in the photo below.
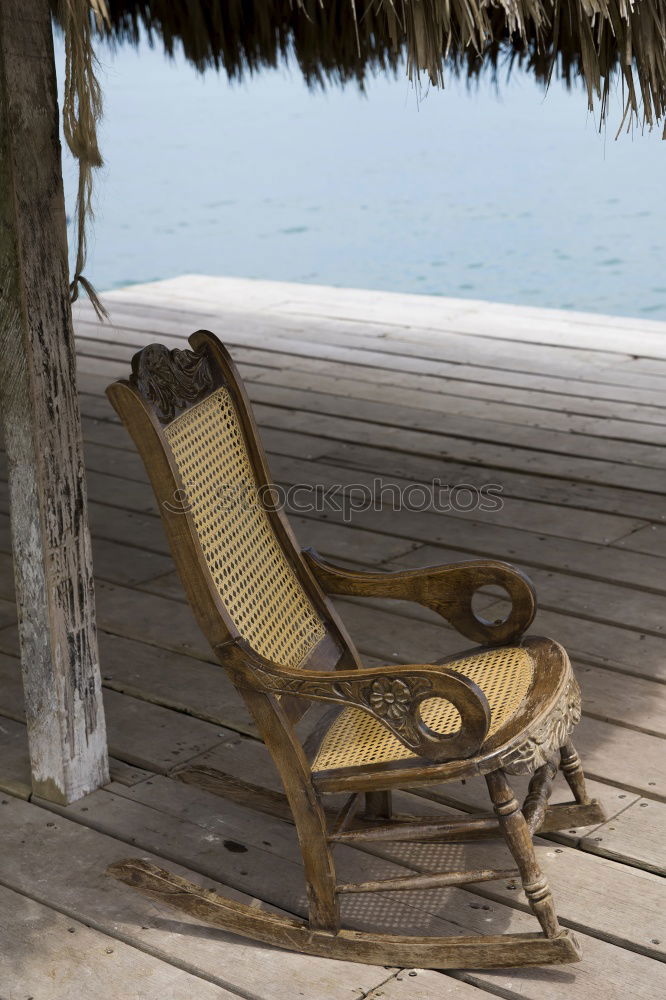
(600, 42)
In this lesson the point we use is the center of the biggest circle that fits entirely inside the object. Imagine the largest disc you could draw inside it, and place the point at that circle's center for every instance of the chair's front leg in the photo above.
(519, 841)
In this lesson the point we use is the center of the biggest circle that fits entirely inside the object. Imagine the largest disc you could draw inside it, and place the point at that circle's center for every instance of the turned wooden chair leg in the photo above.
(377, 805)
(572, 769)
(519, 841)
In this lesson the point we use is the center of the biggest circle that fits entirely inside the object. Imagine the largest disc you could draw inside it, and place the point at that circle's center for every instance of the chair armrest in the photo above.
(392, 694)
(448, 590)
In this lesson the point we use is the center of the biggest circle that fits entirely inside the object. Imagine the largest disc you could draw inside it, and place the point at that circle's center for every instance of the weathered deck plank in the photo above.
(265, 363)
(62, 864)
(53, 957)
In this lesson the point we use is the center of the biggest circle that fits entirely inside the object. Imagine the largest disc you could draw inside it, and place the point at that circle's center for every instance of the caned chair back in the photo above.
(239, 563)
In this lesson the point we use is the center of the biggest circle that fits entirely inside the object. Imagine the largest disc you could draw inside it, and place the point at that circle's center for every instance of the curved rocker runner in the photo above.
(507, 706)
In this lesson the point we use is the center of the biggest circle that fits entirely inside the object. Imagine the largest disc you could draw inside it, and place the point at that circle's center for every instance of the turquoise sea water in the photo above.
(514, 199)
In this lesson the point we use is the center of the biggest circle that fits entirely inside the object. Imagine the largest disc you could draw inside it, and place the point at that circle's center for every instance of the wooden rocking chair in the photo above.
(507, 707)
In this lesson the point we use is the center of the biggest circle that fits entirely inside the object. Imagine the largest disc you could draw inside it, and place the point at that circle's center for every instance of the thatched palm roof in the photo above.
(600, 41)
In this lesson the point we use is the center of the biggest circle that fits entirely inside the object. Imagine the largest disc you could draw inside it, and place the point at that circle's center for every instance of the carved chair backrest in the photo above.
(239, 563)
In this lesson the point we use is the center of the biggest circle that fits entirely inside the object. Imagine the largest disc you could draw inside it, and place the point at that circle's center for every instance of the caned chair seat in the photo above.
(355, 738)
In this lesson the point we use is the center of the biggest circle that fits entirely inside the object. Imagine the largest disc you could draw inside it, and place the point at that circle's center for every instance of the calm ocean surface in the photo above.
(514, 199)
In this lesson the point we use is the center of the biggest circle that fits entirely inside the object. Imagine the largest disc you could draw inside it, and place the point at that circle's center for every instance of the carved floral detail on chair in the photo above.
(546, 740)
(395, 701)
(170, 380)
(390, 698)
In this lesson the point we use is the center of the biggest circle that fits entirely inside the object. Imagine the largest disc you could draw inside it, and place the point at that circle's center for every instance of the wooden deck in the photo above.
(567, 413)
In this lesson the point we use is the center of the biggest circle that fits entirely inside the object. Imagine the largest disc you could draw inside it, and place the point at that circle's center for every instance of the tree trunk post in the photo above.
(41, 422)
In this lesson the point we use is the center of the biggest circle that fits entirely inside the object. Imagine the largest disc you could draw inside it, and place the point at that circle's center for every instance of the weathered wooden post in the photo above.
(40, 413)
